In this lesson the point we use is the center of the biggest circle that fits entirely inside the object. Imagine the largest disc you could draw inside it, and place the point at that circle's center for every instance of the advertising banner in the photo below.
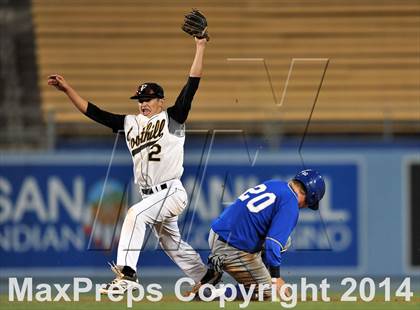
(48, 207)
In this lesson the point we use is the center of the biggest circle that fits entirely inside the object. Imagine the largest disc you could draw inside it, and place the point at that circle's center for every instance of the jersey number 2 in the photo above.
(155, 150)
(259, 202)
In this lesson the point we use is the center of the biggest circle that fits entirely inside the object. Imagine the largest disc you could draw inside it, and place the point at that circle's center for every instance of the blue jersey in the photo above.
(265, 214)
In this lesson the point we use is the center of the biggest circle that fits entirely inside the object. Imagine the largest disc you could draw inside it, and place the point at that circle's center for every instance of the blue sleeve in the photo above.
(281, 227)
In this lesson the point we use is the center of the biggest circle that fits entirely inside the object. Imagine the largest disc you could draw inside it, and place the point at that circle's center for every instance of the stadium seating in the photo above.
(105, 48)
(21, 118)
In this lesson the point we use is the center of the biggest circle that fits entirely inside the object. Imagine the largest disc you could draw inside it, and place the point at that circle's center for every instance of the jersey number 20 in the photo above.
(259, 202)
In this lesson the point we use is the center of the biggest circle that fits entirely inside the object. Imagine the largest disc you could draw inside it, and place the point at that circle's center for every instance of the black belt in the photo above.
(154, 189)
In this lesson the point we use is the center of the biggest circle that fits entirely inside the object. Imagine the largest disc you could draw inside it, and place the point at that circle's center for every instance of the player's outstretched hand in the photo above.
(58, 82)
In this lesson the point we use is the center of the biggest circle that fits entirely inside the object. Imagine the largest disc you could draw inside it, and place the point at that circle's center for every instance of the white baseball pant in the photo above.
(160, 211)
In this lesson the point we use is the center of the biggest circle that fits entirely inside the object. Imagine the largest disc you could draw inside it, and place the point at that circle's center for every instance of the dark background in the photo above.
(415, 214)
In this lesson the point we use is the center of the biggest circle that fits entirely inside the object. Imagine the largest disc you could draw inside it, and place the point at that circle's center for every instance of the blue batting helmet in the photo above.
(314, 185)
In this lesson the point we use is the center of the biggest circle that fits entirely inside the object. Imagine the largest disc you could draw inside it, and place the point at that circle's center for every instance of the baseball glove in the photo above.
(195, 24)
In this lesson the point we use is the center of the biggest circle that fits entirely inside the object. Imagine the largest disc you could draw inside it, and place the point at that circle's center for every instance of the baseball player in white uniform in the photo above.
(155, 138)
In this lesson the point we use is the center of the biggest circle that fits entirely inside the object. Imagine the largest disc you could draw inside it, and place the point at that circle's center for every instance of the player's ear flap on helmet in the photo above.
(314, 185)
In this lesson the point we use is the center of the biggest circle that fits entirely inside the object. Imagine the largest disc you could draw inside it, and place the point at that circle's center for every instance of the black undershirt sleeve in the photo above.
(274, 272)
(111, 120)
(179, 111)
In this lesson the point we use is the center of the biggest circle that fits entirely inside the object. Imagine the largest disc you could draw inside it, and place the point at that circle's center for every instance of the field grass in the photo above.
(171, 303)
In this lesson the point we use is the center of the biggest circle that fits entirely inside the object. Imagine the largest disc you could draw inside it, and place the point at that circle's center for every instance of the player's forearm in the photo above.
(273, 256)
(80, 103)
(197, 65)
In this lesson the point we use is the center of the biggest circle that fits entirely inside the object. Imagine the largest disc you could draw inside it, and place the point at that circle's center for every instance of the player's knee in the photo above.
(133, 217)
(130, 215)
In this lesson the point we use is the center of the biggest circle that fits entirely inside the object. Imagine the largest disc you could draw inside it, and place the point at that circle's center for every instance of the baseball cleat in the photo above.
(122, 282)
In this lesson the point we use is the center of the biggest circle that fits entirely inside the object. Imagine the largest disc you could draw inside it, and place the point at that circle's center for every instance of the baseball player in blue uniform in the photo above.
(262, 218)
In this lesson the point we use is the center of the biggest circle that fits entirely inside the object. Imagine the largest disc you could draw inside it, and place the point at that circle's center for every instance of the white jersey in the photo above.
(156, 145)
